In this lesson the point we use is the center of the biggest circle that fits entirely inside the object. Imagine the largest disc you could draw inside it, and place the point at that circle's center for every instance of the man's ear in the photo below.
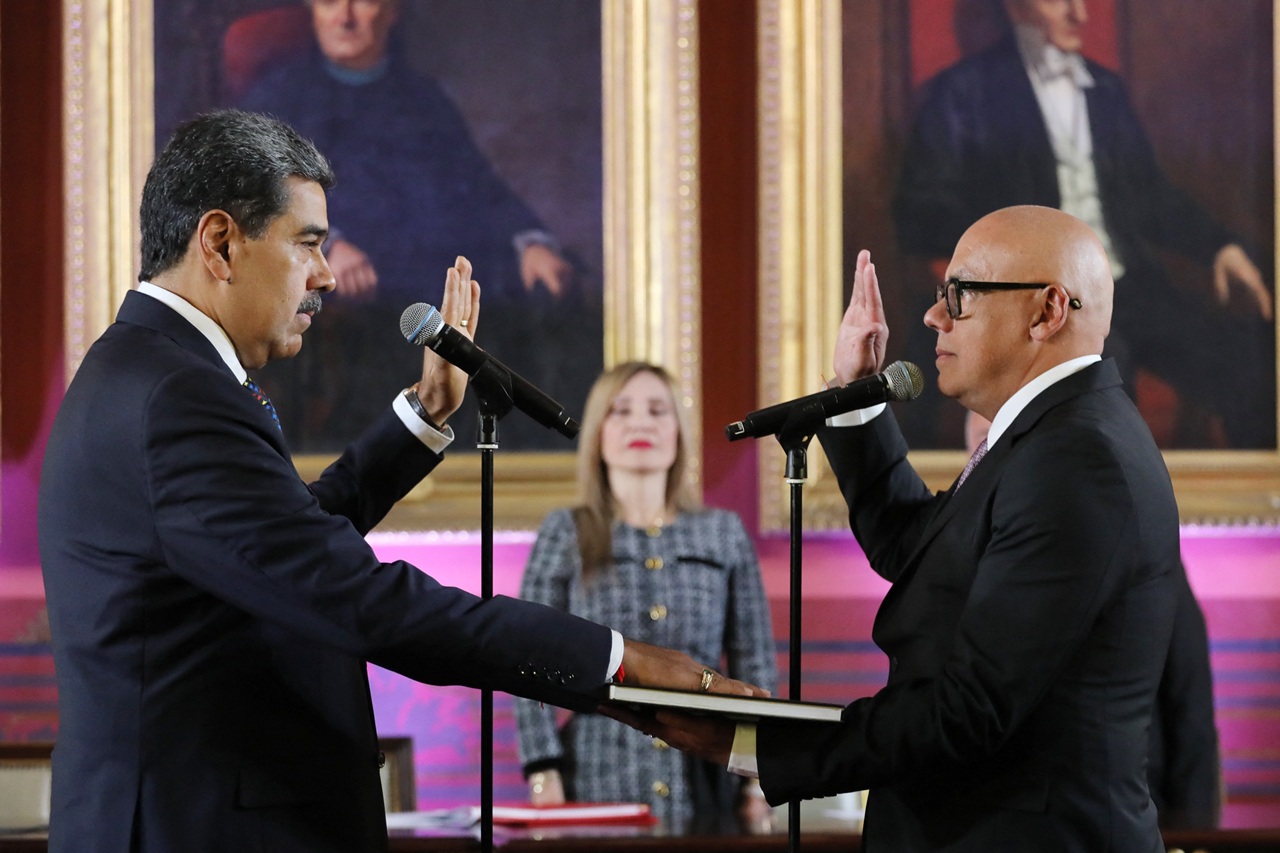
(214, 237)
(1053, 309)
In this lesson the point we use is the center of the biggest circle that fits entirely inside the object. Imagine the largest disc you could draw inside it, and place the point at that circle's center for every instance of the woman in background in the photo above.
(640, 555)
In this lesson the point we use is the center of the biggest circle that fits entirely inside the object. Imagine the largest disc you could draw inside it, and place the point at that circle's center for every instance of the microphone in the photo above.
(422, 324)
(901, 380)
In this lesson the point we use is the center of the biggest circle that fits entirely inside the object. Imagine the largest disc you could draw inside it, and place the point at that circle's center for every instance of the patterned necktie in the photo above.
(263, 400)
(978, 453)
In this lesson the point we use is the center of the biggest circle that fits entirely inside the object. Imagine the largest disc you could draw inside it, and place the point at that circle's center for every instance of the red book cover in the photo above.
(572, 814)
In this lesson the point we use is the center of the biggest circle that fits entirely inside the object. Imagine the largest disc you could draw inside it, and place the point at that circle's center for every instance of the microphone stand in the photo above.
(794, 437)
(492, 385)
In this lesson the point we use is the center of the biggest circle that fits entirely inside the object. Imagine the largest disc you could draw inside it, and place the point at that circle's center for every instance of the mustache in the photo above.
(311, 304)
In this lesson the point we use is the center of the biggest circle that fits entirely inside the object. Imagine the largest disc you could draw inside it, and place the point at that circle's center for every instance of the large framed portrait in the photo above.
(871, 138)
(553, 144)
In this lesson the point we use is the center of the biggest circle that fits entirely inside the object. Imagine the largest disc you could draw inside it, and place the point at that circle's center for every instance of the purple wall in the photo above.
(1234, 571)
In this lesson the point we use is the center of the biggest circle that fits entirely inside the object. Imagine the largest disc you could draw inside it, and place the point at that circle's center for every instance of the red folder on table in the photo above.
(572, 813)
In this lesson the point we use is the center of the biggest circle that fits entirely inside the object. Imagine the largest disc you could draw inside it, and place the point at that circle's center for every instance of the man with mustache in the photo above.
(212, 614)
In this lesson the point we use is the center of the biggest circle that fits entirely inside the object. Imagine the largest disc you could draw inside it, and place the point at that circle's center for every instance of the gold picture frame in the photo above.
(801, 187)
(651, 226)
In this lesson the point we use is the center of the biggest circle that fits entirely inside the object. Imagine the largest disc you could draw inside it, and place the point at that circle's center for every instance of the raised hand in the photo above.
(863, 335)
(443, 385)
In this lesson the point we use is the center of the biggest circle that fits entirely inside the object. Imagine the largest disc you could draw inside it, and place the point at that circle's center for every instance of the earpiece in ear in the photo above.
(1074, 303)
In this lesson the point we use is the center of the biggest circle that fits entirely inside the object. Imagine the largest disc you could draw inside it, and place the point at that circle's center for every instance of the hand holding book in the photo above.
(703, 723)
(706, 736)
(649, 666)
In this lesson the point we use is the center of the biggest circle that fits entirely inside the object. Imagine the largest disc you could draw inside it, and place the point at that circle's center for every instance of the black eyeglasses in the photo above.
(950, 290)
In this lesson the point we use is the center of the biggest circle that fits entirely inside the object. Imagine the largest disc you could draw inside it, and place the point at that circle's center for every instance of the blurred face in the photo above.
(276, 280)
(353, 33)
(640, 432)
(1061, 21)
(982, 356)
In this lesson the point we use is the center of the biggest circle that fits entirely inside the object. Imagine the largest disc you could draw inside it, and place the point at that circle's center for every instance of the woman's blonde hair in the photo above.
(596, 508)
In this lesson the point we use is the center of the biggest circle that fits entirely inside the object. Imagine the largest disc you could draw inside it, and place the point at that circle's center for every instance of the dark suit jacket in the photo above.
(212, 614)
(1026, 629)
(1183, 765)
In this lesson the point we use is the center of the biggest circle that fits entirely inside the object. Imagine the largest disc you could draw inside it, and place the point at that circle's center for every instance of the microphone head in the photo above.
(905, 380)
(421, 324)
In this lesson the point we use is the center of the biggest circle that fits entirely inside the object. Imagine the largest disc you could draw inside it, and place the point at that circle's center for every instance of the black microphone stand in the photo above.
(794, 437)
(492, 385)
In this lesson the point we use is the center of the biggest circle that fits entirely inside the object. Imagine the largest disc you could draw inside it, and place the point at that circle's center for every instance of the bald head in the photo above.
(1043, 244)
(1004, 337)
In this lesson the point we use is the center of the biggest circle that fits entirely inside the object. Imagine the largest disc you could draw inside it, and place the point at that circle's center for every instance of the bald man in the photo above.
(1031, 603)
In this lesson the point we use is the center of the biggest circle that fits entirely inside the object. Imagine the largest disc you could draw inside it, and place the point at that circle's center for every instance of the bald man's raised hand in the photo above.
(863, 335)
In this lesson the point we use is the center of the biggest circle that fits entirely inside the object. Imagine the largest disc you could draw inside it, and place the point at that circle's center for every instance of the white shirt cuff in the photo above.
(615, 655)
(857, 417)
(742, 756)
(433, 438)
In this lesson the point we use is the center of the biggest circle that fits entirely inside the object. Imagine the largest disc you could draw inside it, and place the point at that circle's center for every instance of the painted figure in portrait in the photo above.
(437, 154)
(1025, 115)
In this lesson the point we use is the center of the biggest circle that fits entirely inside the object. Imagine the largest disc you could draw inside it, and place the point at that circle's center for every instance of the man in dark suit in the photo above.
(1031, 603)
(212, 614)
(1184, 771)
(1031, 121)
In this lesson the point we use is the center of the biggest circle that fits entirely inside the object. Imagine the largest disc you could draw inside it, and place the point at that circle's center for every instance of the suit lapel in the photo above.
(138, 309)
(984, 476)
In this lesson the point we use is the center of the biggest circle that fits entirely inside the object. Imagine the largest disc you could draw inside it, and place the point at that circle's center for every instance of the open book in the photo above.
(738, 707)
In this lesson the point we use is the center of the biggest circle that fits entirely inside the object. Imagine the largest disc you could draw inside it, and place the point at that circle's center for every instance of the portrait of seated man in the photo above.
(1031, 120)
(436, 155)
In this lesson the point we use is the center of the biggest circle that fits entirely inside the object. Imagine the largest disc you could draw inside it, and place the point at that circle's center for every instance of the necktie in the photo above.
(978, 453)
(263, 400)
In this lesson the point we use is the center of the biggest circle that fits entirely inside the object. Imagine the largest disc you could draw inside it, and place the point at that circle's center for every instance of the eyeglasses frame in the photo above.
(942, 291)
